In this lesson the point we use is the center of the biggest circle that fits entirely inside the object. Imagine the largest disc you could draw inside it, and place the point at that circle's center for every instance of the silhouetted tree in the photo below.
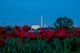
(64, 22)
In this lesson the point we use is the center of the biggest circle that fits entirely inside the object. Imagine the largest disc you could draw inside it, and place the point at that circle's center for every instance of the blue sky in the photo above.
(21, 12)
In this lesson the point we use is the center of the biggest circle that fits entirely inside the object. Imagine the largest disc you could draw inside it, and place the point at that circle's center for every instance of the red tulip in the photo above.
(15, 33)
(62, 33)
(43, 34)
(2, 31)
(76, 32)
(21, 34)
(42, 31)
(49, 39)
(25, 35)
(2, 43)
(26, 28)
(17, 28)
(50, 35)
(32, 35)
(8, 35)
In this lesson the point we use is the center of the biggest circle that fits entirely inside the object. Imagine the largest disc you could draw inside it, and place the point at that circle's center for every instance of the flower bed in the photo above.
(20, 40)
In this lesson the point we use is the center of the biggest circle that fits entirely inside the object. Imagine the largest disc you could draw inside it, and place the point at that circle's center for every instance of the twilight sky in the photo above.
(21, 12)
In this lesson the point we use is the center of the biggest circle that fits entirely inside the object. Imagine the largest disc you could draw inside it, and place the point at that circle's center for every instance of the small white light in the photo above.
(35, 27)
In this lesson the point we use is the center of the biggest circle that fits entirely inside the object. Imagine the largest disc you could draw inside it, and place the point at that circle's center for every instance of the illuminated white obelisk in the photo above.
(41, 21)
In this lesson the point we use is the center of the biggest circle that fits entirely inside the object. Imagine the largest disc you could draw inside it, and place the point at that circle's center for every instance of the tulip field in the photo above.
(21, 40)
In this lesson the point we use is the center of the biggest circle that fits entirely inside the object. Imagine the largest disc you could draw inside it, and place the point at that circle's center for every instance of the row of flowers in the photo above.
(23, 32)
